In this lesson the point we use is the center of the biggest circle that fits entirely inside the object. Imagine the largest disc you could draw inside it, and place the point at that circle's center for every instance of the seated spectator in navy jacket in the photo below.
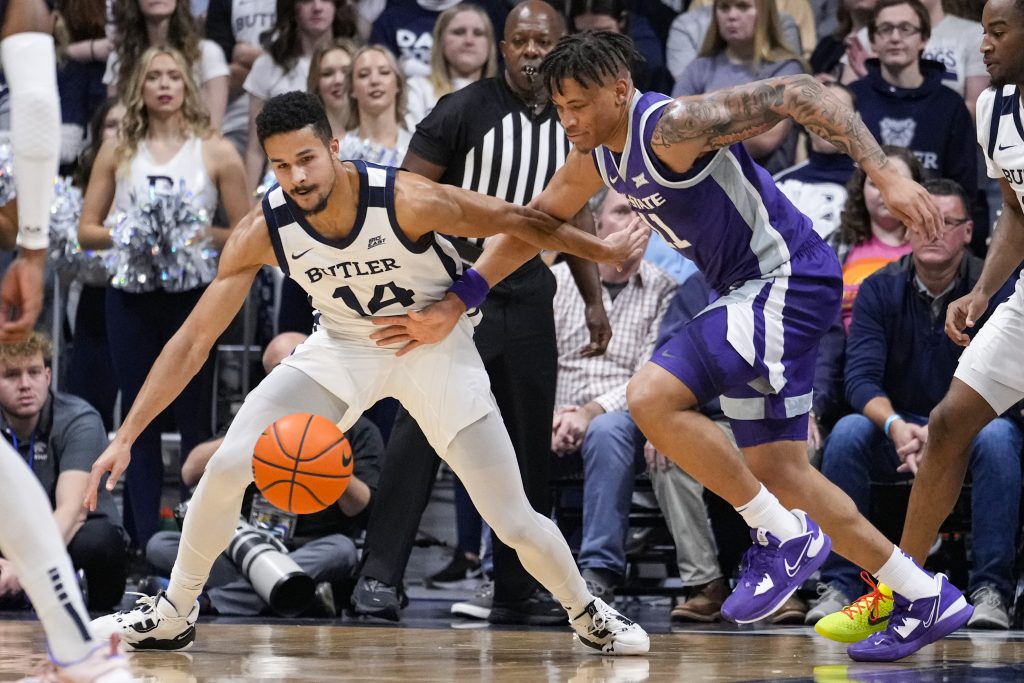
(60, 436)
(904, 102)
(899, 363)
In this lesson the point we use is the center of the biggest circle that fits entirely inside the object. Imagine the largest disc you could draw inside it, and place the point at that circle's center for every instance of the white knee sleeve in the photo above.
(30, 68)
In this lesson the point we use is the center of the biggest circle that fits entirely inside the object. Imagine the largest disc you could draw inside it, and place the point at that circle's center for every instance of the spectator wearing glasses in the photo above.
(899, 363)
(904, 103)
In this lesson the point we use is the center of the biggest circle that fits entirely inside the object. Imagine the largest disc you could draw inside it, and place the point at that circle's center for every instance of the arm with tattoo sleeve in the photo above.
(693, 126)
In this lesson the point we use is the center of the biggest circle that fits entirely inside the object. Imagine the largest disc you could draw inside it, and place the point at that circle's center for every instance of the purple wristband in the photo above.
(471, 288)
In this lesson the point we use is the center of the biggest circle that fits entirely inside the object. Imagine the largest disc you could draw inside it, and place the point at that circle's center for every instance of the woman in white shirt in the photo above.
(467, 53)
(302, 26)
(165, 145)
(141, 24)
(375, 94)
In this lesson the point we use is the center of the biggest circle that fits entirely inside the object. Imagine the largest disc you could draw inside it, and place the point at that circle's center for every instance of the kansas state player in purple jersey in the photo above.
(681, 164)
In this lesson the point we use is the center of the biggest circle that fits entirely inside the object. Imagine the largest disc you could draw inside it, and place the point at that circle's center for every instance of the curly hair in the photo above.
(283, 42)
(855, 223)
(195, 121)
(37, 342)
(352, 122)
(588, 57)
(133, 39)
(293, 111)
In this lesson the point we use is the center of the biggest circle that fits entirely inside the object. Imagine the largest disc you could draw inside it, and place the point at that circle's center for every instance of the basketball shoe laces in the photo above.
(145, 603)
(758, 561)
(868, 603)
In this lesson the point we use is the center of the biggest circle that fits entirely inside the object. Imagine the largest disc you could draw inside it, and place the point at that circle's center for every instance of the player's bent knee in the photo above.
(517, 530)
(643, 401)
(229, 469)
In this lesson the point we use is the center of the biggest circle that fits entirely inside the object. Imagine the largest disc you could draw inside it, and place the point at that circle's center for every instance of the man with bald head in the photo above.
(499, 136)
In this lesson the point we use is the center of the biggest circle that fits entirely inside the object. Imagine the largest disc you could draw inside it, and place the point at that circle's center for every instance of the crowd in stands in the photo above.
(162, 96)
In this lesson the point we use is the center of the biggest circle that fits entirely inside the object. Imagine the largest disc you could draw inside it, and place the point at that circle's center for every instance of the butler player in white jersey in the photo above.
(360, 240)
(35, 558)
(990, 375)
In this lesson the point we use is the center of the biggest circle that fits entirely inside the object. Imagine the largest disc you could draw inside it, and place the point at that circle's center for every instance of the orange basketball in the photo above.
(302, 463)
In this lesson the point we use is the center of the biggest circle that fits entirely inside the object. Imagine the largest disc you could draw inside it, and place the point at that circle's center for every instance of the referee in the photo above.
(499, 136)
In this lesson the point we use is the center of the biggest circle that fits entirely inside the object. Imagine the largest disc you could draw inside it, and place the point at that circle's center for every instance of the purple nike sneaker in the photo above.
(773, 570)
(912, 625)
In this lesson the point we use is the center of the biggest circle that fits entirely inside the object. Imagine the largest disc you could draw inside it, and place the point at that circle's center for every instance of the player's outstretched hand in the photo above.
(962, 314)
(912, 204)
(628, 243)
(427, 326)
(21, 295)
(115, 460)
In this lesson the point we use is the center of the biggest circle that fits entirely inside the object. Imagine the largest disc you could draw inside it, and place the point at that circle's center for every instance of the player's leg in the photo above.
(952, 425)
(167, 622)
(776, 452)
(664, 407)
(446, 388)
(482, 456)
(30, 69)
(31, 542)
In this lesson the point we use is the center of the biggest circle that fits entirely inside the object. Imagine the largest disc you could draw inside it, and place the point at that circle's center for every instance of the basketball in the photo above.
(302, 463)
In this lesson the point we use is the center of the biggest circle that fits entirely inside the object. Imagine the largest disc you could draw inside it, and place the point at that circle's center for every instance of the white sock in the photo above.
(29, 66)
(30, 540)
(765, 511)
(903, 576)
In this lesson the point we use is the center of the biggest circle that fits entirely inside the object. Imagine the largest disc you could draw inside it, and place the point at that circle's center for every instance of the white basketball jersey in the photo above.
(375, 270)
(1001, 135)
(184, 171)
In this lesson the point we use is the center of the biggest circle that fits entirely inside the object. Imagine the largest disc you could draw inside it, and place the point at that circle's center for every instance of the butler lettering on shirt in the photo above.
(347, 269)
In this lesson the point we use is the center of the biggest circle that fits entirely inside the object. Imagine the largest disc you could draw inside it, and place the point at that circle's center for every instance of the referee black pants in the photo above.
(516, 340)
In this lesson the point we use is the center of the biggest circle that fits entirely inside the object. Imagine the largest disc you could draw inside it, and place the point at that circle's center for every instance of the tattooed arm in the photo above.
(693, 126)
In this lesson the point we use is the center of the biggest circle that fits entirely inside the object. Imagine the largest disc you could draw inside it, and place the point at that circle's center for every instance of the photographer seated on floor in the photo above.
(60, 436)
(306, 551)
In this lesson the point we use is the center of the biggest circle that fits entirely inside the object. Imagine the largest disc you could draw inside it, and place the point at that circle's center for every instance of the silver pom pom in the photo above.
(269, 180)
(7, 191)
(162, 243)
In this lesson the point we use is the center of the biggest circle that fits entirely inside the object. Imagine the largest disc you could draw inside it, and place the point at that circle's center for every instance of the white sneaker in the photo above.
(602, 630)
(105, 664)
(153, 624)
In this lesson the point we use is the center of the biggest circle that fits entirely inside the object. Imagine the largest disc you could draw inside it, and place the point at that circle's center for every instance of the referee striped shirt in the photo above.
(491, 142)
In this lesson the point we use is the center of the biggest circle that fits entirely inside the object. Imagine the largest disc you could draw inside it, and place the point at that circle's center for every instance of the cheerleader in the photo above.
(165, 148)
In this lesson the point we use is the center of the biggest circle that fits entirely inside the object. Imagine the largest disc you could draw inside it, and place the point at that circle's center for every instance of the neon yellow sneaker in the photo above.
(866, 615)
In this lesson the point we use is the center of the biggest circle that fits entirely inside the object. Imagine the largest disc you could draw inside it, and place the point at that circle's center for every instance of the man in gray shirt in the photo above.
(60, 436)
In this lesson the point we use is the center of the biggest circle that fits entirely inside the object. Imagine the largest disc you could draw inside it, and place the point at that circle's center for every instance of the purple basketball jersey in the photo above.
(726, 213)
(779, 283)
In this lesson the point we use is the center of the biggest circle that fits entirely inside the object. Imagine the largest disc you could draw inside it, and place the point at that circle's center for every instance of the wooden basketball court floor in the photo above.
(431, 650)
